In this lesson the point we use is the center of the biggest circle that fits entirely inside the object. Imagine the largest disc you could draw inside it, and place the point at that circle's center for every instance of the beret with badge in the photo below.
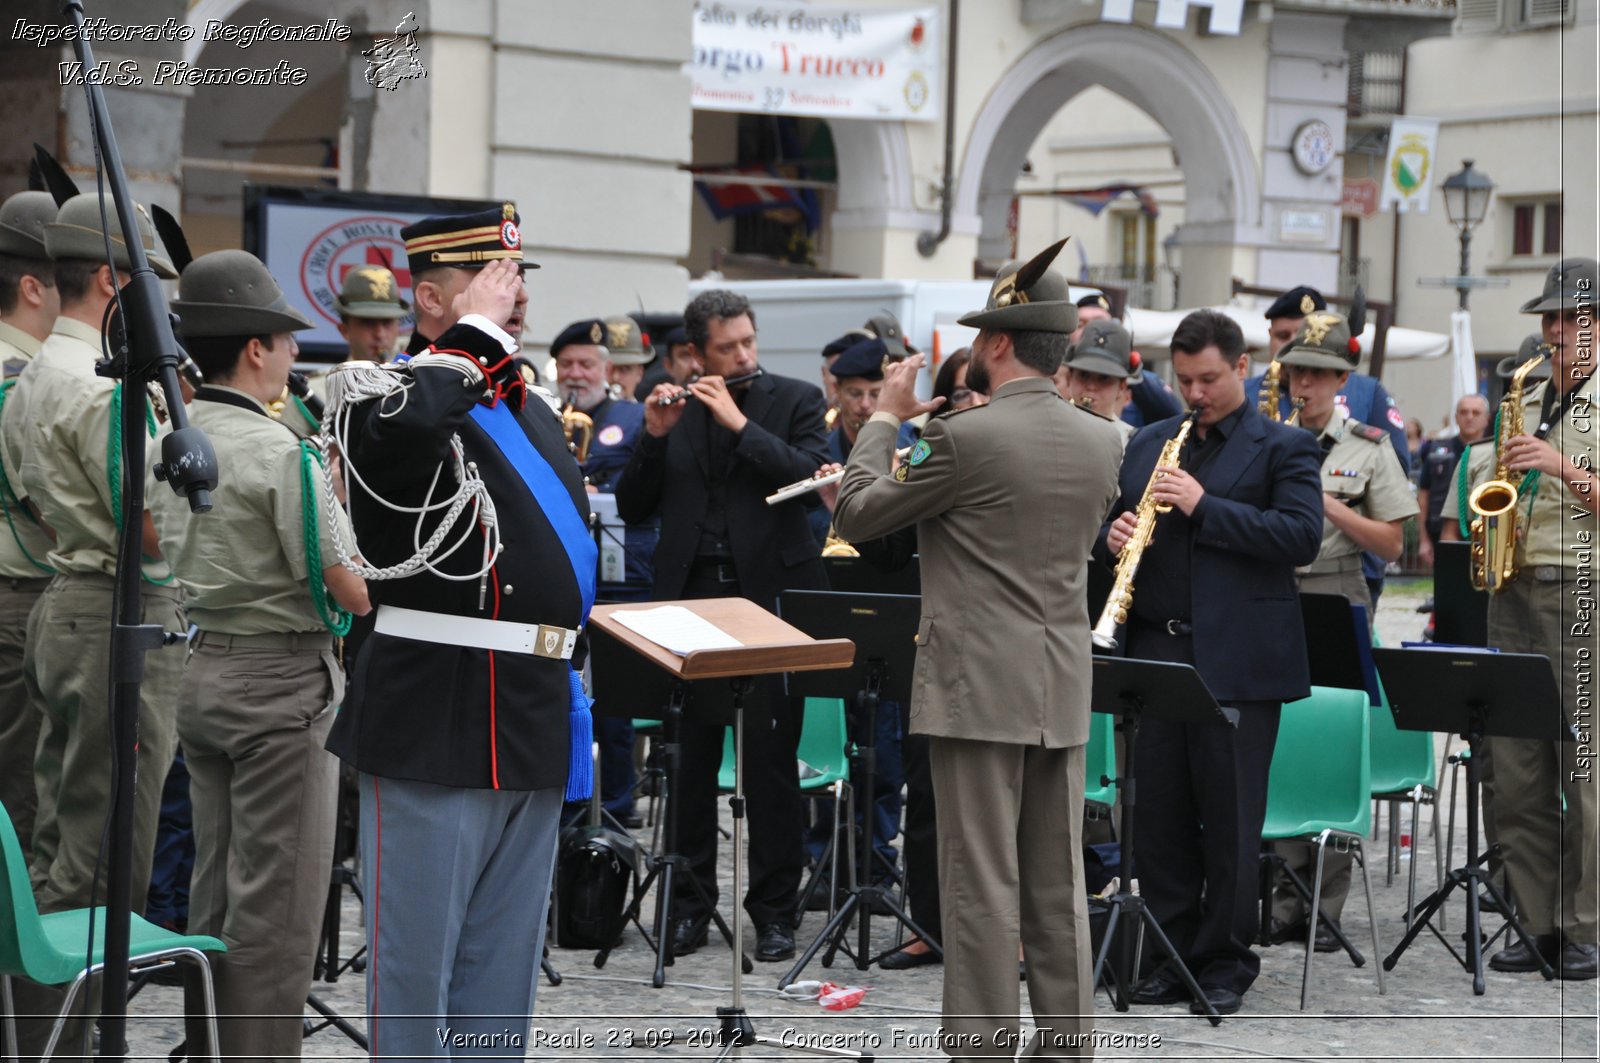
(845, 342)
(1323, 341)
(1095, 300)
(1028, 296)
(1569, 283)
(22, 221)
(863, 361)
(371, 292)
(626, 341)
(465, 241)
(1296, 302)
(586, 332)
(1103, 347)
(77, 233)
(231, 293)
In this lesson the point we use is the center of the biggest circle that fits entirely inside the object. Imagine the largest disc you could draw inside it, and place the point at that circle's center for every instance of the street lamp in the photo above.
(1466, 201)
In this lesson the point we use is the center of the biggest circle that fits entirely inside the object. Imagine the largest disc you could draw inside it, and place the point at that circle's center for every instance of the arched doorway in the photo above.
(1167, 82)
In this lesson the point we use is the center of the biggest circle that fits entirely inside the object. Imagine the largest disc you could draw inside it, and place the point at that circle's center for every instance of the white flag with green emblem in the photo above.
(1408, 173)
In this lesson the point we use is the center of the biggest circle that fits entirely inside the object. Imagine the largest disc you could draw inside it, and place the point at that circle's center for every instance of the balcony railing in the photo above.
(1377, 83)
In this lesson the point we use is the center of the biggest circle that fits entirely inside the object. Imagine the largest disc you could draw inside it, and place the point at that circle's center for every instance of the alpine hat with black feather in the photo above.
(1028, 296)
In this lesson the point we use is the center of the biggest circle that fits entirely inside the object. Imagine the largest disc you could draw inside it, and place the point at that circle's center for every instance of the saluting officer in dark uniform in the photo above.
(463, 718)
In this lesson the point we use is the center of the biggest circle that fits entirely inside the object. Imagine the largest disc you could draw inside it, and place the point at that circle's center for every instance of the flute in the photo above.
(805, 487)
(732, 381)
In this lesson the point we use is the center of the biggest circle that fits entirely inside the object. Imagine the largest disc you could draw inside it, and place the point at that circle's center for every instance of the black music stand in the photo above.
(1131, 689)
(1475, 694)
(858, 575)
(1334, 634)
(883, 628)
(1460, 610)
(622, 688)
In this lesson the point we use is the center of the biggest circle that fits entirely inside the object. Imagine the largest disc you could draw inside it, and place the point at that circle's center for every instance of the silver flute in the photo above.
(805, 487)
(730, 382)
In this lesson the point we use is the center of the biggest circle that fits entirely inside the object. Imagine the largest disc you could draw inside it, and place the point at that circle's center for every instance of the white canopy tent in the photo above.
(1152, 330)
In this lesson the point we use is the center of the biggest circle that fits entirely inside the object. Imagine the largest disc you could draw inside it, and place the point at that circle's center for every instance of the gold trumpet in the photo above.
(1121, 597)
(1493, 530)
(578, 428)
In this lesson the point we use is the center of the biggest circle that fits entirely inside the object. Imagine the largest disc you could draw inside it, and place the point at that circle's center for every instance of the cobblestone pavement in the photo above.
(1428, 1011)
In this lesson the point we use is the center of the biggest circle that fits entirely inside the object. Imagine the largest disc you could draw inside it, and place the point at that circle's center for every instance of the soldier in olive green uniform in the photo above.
(1367, 499)
(57, 427)
(370, 313)
(262, 579)
(1545, 807)
(28, 307)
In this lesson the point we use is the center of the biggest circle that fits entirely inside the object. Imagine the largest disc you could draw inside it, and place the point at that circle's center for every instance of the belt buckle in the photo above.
(555, 643)
(726, 573)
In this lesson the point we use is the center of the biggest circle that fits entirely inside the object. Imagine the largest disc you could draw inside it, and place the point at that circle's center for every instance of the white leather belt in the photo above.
(541, 640)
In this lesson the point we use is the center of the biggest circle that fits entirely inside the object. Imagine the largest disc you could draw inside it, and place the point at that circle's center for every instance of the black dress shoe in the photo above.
(1519, 958)
(689, 933)
(1325, 941)
(775, 942)
(903, 960)
(1222, 999)
(1163, 987)
(1578, 962)
(1280, 932)
(631, 820)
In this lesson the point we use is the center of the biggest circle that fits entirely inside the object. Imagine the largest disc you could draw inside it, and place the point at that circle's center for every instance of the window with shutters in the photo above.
(1481, 16)
(1545, 12)
(1535, 227)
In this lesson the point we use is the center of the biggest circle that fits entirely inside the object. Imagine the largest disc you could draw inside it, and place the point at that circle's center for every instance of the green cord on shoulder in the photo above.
(114, 466)
(334, 618)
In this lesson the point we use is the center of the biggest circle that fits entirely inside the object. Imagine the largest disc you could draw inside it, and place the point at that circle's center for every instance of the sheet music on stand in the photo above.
(677, 629)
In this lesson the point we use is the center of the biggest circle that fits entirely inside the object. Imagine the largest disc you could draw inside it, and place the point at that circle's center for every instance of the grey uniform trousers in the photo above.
(252, 719)
(1011, 870)
(458, 883)
(20, 710)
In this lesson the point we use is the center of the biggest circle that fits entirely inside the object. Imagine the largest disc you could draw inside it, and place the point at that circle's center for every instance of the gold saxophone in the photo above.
(837, 547)
(1121, 597)
(1271, 390)
(579, 429)
(1494, 504)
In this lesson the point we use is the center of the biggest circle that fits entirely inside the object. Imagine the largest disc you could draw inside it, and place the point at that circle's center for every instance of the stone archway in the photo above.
(1154, 72)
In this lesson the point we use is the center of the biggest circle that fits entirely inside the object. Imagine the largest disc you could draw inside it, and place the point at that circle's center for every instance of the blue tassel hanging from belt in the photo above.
(580, 763)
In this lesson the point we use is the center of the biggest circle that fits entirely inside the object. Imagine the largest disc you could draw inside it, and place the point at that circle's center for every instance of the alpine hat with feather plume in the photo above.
(1028, 296)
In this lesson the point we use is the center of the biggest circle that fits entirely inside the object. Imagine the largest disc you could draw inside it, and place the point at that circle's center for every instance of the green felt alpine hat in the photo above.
(77, 233)
(231, 293)
(1029, 296)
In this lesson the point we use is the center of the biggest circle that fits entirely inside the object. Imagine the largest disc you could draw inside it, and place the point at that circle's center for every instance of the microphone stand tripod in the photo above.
(189, 465)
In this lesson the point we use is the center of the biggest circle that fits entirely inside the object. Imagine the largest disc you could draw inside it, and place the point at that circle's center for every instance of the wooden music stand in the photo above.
(768, 646)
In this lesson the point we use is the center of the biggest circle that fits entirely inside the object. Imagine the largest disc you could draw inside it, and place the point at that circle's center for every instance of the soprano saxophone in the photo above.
(1494, 504)
(1121, 597)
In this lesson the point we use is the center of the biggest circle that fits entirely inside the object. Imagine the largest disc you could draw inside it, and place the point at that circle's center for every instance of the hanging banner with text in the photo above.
(825, 62)
(1408, 171)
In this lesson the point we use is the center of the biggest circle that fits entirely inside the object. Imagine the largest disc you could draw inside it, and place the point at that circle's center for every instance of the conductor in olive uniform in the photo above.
(263, 681)
(463, 718)
(28, 306)
(1366, 500)
(1006, 499)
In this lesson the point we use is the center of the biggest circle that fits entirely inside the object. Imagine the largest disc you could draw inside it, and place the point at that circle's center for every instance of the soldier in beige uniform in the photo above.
(264, 587)
(1096, 371)
(28, 308)
(1366, 500)
(57, 427)
(370, 312)
(1545, 807)
(1005, 498)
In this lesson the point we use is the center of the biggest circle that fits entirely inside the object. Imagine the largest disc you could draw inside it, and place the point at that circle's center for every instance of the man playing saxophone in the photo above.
(1218, 574)
(1550, 854)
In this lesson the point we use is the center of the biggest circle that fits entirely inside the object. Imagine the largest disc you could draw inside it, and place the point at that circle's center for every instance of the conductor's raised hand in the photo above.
(493, 293)
(659, 418)
(899, 394)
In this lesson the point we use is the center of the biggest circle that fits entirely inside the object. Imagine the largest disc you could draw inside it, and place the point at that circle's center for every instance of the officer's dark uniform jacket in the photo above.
(448, 714)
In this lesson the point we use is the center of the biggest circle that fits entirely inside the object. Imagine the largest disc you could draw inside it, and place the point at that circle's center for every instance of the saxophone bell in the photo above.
(1493, 530)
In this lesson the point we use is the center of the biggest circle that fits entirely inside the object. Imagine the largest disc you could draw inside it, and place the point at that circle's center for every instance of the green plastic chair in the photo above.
(1319, 789)
(49, 949)
(1100, 762)
(1403, 770)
